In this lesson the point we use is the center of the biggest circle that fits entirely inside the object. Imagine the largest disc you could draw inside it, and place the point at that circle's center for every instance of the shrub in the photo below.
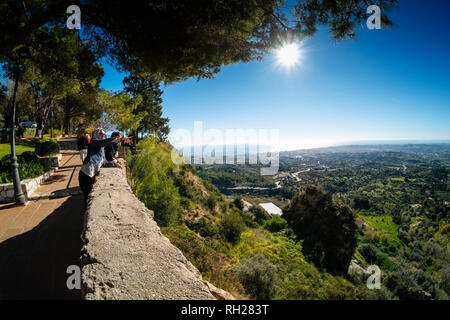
(247, 218)
(186, 203)
(204, 227)
(151, 171)
(258, 276)
(30, 166)
(232, 226)
(211, 202)
(368, 252)
(57, 132)
(239, 203)
(444, 279)
(206, 259)
(29, 132)
(260, 214)
(46, 147)
(275, 224)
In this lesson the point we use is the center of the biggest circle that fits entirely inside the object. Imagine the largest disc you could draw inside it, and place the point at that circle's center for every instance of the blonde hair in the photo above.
(96, 133)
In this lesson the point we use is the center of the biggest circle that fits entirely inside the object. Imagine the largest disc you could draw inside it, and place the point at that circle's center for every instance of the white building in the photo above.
(271, 208)
(247, 205)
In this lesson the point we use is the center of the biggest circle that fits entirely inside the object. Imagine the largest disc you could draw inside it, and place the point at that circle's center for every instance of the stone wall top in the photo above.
(125, 255)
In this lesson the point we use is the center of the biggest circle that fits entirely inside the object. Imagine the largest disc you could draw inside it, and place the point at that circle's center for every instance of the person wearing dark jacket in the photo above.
(111, 151)
(95, 160)
(82, 145)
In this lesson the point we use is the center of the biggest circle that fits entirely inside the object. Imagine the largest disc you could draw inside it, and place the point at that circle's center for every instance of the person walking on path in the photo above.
(95, 160)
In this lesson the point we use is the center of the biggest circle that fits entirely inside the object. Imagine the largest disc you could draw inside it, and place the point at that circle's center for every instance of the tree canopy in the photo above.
(178, 39)
(326, 228)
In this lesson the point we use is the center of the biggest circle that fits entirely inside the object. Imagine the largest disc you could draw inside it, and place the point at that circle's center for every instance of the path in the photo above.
(40, 240)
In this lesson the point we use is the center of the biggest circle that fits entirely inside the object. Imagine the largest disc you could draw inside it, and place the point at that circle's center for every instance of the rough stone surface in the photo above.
(218, 293)
(125, 255)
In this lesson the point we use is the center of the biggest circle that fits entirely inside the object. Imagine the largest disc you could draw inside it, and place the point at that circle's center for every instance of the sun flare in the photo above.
(288, 55)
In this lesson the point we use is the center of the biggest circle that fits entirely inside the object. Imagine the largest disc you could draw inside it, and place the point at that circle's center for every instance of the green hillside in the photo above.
(220, 239)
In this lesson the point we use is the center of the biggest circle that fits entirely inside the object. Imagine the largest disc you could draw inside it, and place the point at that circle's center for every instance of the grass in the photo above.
(297, 278)
(383, 223)
(5, 149)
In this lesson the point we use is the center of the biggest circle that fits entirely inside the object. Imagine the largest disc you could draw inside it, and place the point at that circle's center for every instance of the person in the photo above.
(95, 160)
(111, 152)
(82, 144)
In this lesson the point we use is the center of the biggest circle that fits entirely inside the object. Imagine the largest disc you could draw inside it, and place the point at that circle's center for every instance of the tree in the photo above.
(275, 224)
(184, 38)
(232, 226)
(260, 214)
(326, 228)
(239, 203)
(342, 17)
(121, 110)
(361, 202)
(79, 105)
(150, 109)
(59, 62)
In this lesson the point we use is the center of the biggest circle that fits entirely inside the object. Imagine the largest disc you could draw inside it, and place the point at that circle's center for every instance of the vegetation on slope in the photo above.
(232, 249)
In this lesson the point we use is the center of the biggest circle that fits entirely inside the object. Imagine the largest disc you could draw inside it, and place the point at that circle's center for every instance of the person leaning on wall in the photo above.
(111, 151)
(95, 160)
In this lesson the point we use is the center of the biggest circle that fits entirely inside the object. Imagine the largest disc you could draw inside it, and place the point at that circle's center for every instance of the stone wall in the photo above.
(125, 255)
(28, 187)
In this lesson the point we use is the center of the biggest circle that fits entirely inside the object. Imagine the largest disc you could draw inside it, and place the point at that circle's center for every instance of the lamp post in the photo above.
(19, 196)
(51, 121)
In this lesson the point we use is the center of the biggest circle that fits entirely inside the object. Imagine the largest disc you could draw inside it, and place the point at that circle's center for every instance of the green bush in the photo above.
(186, 203)
(30, 166)
(4, 135)
(232, 226)
(239, 203)
(204, 256)
(152, 173)
(258, 276)
(275, 224)
(260, 214)
(211, 202)
(247, 218)
(57, 132)
(203, 227)
(368, 252)
(46, 147)
(29, 132)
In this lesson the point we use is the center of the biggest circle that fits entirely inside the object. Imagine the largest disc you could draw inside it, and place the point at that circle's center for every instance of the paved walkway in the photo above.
(40, 240)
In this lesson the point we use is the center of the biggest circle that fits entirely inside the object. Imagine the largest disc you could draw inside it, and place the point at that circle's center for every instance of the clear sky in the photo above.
(386, 85)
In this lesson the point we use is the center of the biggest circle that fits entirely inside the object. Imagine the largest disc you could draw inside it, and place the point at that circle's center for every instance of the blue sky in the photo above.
(386, 85)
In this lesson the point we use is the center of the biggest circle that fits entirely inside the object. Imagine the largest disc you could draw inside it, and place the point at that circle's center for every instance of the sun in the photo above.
(288, 55)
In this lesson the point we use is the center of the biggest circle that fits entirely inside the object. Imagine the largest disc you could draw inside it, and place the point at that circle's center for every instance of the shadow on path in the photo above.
(33, 265)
